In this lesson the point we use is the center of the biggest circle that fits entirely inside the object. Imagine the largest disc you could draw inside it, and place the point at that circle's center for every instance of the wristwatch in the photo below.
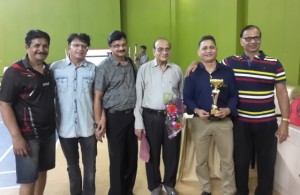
(95, 125)
(195, 110)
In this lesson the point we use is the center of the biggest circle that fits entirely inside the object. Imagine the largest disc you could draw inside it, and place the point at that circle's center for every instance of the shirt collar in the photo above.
(155, 64)
(68, 62)
(201, 65)
(261, 55)
(116, 62)
(25, 61)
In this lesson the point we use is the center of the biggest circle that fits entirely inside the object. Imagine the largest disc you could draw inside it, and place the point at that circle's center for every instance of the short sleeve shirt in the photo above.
(117, 82)
(74, 98)
(32, 97)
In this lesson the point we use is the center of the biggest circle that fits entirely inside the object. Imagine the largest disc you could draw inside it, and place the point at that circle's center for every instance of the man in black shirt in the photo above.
(27, 109)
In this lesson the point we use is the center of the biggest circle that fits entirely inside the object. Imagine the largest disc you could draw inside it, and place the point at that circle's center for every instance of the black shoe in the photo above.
(170, 191)
(156, 191)
(205, 193)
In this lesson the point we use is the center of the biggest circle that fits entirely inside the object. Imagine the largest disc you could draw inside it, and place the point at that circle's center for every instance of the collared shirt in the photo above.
(143, 58)
(151, 85)
(117, 82)
(255, 84)
(74, 98)
(198, 89)
(32, 97)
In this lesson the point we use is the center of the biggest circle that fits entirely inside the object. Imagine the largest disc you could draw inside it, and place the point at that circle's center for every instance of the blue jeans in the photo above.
(41, 158)
(88, 147)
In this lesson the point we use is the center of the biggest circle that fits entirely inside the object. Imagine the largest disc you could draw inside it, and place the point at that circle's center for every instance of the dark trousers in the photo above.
(122, 147)
(259, 138)
(88, 147)
(157, 136)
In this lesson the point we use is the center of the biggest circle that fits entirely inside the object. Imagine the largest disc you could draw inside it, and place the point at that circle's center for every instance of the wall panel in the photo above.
(59, 19)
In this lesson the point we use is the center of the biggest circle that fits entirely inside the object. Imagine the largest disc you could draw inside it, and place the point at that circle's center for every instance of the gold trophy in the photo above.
(217, 83)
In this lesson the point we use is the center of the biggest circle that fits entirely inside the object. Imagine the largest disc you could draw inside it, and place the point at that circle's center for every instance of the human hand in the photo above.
(202, 113)
(191, 68)
(283, 131)
(139, 133)
(100, 130)
(20, 146)
(222, 112)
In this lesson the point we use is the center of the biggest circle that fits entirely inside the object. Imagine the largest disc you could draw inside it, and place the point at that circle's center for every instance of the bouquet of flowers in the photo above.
(174, 116)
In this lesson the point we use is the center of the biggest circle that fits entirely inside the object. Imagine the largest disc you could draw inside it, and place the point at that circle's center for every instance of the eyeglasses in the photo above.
(249, 39)
(118, 46)
(160, 50)
(76, 45)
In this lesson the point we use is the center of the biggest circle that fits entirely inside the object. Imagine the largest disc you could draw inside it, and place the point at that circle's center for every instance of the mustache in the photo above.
(44, 53)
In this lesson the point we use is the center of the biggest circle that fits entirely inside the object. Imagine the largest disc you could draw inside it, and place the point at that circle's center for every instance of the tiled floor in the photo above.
(58, 184)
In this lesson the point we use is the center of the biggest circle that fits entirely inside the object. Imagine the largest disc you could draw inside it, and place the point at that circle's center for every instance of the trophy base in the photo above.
(213, 111)
(213, 118)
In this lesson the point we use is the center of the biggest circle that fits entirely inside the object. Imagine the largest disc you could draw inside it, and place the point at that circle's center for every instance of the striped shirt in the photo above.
(255, 83)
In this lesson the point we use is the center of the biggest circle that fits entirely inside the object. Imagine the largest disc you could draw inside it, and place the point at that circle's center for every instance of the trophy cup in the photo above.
(217, 83)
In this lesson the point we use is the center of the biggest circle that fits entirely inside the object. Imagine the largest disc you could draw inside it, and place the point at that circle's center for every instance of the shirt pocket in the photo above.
(174, 85)
(87, 84)
(62, 84)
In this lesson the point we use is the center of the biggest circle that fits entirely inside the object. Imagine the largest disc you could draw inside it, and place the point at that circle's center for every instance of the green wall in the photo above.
(183, 22)
(280, 28)
(146, 20)
(57, 17)
(197, 18)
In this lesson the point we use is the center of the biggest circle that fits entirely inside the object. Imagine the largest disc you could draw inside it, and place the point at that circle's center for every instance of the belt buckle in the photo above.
(127, 111)
(161, 112)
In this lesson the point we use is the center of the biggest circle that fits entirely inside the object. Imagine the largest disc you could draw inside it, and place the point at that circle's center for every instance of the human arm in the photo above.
(284, 105)
(136, 60)
(201, 113)
(189, 99)
(99, 114)
(181, 83)
(139, 133)
(139, 87)
(191, 68)
(20, 145)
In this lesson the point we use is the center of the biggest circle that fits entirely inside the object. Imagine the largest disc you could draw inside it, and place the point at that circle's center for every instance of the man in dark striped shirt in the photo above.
(256, 126)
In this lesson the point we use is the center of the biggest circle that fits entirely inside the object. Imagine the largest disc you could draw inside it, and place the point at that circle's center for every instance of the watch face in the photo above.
(95, 125)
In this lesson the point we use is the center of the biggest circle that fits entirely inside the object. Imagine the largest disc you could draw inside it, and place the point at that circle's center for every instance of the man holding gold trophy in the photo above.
(210, 94)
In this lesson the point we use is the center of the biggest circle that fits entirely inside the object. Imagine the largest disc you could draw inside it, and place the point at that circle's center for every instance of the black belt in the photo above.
(111, 111)
(212, 118)
(158, 112)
